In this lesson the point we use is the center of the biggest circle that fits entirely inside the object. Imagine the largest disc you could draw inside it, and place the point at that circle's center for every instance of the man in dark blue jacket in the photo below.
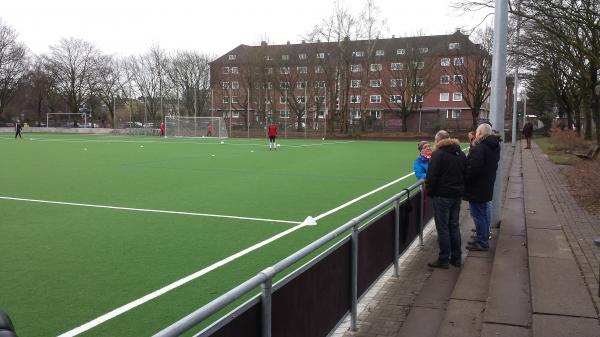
(18, 128)
(445, 185)
(482, 164)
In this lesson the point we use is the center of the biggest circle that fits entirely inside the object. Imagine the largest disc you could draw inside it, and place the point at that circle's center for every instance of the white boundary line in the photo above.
(149, 210)
(131, 305)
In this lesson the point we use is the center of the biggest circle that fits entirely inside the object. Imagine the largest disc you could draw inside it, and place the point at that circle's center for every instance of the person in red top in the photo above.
(209, 130)
(162, 129)
(272, 133)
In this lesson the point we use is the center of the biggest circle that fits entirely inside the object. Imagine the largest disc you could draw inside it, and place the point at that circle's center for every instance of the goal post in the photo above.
(66, 120)
(184, 126)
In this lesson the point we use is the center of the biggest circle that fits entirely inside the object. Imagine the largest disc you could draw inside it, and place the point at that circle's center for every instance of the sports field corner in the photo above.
(128, 234)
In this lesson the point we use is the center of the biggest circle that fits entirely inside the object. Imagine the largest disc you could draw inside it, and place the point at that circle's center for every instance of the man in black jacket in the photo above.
(482, 164)
(445, 185)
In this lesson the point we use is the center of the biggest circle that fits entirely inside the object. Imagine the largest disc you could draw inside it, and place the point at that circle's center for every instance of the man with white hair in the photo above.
(445, 185)
(482, 164)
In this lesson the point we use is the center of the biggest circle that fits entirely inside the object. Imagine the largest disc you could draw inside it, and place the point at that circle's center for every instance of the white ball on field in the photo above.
(323, 138)
(251, 150)
(85, 149)
(222, 142)
(141, 145)
(278, 145)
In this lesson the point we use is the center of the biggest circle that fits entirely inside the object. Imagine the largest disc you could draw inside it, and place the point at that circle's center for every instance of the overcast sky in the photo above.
(126, 27)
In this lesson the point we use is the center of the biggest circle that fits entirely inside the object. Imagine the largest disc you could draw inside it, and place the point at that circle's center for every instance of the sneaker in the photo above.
(477, 248)
(472, 242)
(438, 264)
(456, 263)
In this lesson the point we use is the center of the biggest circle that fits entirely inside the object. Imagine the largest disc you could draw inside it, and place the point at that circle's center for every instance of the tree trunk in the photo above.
(578, 118)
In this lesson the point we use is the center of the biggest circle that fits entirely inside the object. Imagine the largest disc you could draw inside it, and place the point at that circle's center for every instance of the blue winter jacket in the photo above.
(420, 167)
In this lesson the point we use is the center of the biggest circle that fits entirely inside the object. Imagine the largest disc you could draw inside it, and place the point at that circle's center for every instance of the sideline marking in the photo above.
(131, 305)
(149, 210)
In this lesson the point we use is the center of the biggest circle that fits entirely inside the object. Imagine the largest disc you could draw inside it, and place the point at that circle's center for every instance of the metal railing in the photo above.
(264, 278)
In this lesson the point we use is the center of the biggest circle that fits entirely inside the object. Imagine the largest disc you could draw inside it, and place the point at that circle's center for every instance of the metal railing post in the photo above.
(266, 308)
(396, 237)
(422, 215)
(354, 279)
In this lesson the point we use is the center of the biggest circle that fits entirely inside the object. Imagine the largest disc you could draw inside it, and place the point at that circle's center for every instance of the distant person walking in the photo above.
(528, 133)
(18, 128)
(272, 133)
(482, 163)
(422, 162)
(445, 185)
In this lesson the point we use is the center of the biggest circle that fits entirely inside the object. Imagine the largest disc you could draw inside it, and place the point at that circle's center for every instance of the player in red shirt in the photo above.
(272, 133)
(162, 129)
(209, 130)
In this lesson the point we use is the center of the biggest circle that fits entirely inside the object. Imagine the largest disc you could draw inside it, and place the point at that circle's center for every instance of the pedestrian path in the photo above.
(539, 278)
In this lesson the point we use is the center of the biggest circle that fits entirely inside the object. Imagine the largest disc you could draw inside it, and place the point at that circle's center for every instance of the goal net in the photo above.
(66, 120)
(180, 126)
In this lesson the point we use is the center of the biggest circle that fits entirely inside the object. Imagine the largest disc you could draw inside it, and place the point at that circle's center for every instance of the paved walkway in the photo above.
(540, 277)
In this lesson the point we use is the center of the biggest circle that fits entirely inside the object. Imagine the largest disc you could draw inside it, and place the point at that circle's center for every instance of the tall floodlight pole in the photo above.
(305, 112)
(516, 86)
(326, 111)
(498, 96)
(248, 111)
(286, 116)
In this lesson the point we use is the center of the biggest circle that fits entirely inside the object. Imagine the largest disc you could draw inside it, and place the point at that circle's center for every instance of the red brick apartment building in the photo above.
(397, 84)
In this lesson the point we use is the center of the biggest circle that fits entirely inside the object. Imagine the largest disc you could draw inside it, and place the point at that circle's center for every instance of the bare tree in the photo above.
(13, 64)
(71, 65)
(147, 72)
(109, 83)
(189, 72)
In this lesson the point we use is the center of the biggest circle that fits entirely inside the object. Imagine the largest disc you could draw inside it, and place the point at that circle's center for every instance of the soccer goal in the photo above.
(66, 120)
(183, 126)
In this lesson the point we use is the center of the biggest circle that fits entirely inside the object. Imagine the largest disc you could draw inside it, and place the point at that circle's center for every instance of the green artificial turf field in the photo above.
(63, 265)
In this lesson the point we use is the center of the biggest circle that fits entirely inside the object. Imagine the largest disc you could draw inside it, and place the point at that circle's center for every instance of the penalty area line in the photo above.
(148, 210)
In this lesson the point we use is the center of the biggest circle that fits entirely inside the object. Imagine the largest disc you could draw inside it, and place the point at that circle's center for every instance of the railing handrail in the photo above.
(199, 315)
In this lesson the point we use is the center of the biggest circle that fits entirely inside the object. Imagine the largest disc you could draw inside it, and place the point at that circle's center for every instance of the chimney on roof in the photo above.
(303, 41)
(288, 43)
(263, 43)
(393, 36)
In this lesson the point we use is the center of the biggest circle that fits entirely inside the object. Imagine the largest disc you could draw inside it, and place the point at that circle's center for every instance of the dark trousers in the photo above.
(18, 133)
(445, 214)
(528, 142)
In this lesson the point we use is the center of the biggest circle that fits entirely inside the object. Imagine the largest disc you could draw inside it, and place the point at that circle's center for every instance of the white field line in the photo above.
(131, 305)
(149, 210)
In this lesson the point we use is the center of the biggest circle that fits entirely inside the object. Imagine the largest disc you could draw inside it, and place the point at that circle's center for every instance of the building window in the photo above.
(268, 100)
(320, 84)
(284, 70)
(379, 52)
(235, 114)
(302, 56)
(457, 96)
(395, 82)
(444, 96)
(226, 70)
(453, 113)
(282, 100)
(423, 50)
(355, 68)
(445, 62)
(417, 98)
(376, 67)
(375, 83)
(358, 53)
(319, 99)
(301, 84)
(284, 114)
(284, 85)
(458, 79)
(268, 85)
(320, 114)
(375, 99)
(355, 114)
(234, 70)
(232, 57)
(268, 58)
(395, 98)
(301, 99)
(397, 66)
(225, 99)
(235, 85)
(285, 57)
(302, 70)
(268, 70)
(319, 70)
(419, 82)
(454, 45)
(459, 61)
(235, 99)
(400, 51)
(375, 113)
(320, 55)
(444, 79)
(418, 65)
(226, 85)
(355, 84)
(355, 99)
